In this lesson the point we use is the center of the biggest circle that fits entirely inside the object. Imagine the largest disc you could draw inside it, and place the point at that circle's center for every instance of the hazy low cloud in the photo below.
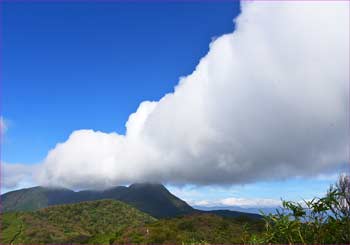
(268, 101)
(239, 202)
(16, 175)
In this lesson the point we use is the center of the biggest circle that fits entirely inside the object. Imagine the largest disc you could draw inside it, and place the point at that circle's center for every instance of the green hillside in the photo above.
(191, 229)
(86, 222)
(110, 221)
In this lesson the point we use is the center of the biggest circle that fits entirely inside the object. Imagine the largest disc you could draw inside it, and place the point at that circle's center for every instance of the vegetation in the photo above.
(110, 221)
(319, 221)
(87, 222)
(190, 229)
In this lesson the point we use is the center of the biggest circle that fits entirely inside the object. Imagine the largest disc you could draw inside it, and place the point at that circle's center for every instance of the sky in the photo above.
(100, 94)
(69, 66)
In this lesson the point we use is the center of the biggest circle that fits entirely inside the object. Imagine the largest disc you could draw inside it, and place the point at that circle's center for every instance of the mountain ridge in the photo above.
(152, 198)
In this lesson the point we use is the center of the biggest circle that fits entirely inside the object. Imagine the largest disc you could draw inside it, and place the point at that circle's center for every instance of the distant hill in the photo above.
(230, 213)
(86, 222)
(153, 199)
(110, 221)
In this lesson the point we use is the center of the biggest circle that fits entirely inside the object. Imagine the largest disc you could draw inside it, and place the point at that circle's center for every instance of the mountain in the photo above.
(153, 199)
(95, 222)
(34, 198)
(156, 200)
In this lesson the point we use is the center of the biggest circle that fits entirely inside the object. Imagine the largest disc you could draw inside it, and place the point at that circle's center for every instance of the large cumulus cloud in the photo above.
(269, 100)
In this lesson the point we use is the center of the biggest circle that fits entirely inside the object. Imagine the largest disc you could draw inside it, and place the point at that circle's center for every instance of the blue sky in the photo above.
(70, 66)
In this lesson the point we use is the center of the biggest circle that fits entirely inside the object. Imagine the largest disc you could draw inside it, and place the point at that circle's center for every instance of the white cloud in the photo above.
(268, 101)
(16, 176)
(204, 203)
(3, 126)
(254, 202)
(239, 202)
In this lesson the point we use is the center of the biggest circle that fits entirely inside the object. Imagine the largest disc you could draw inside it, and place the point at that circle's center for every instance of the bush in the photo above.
(321, 220)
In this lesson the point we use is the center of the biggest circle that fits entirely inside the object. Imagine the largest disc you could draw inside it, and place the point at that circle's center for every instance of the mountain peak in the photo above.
(147, 185)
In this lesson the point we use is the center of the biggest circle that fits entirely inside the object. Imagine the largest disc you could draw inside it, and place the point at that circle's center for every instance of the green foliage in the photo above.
(190, 229)
(87, 222)
(319, 221)
(11, 228)
(109, 221)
